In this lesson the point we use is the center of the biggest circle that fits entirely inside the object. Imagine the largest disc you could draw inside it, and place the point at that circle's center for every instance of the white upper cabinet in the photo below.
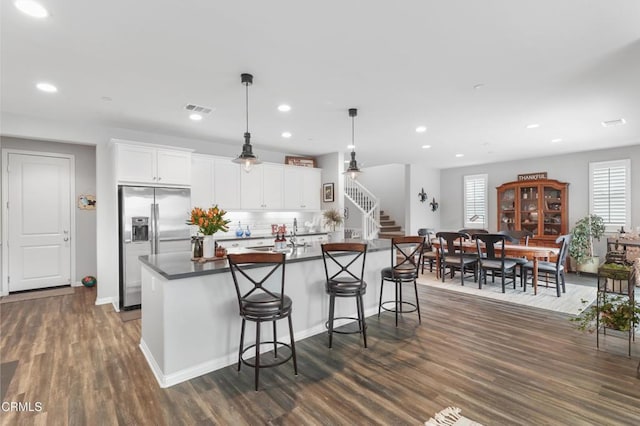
(301, 188)
(151, 165)
(215, 181)
(262, 188)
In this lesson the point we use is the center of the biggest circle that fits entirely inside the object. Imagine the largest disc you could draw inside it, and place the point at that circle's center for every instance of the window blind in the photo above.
(475, 201)
(610, 193)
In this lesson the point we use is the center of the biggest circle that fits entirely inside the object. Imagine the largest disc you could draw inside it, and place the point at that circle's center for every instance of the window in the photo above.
(475, 201)
(610, 193)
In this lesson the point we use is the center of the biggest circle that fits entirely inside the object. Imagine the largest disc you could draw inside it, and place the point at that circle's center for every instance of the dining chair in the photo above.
(251, 272)
(428, 255)
(490, 261)
(516, 237)
(556, 268)
(452, 255)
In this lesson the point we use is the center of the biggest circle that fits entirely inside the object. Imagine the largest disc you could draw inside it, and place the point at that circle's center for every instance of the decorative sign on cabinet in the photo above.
(153, 165)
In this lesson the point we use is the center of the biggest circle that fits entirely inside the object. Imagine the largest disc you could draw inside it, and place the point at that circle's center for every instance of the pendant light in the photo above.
(353, 169)
(247, 158)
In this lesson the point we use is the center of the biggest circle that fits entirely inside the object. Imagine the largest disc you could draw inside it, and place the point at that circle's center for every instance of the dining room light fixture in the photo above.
(353, 171)
(247, 158)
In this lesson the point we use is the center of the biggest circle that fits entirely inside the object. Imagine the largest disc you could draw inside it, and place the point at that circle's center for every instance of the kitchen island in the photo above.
(190, 318)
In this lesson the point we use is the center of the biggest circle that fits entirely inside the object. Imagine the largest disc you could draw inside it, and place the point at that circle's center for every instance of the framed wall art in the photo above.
(327, 193)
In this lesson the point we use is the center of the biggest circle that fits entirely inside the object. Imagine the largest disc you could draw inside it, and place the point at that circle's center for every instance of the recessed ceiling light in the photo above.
(459, 155)
(426, 146)
(556, 140)
(47, 87)
(618, 122)
(195, 117)
(421, 129)
(31, 8)
(284, 108)
(351, 146)
(286, 135)
(478, 86)
(532, 126)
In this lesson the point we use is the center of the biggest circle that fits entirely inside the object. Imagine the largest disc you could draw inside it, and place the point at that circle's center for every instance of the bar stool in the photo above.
(345, 278)
(259, 304)
(406, 257)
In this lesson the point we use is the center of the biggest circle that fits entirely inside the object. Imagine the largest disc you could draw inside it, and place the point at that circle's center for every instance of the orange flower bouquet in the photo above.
(210, 221)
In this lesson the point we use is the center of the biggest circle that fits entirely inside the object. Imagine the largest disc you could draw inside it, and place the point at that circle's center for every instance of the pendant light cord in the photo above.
(353, 145)
(247, 104)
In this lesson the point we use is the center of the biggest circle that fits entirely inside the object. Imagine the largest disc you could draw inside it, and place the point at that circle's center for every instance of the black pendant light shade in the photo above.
(247, 158)
(353, 169)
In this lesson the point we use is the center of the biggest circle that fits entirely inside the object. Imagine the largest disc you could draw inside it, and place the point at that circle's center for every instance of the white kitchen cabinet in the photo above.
(215, 180)
(151, 165)
(301, 188)
(262, 188)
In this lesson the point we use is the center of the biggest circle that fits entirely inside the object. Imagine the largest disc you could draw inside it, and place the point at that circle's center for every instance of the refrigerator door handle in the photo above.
(156, 218)
(152, 225)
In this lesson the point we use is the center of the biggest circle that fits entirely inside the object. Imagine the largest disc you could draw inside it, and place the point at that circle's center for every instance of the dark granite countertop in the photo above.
(263, 236)
(174, 266)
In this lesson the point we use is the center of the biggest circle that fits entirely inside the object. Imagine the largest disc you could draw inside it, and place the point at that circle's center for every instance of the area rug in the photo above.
(450, 416)
(569, 303)
(29, 295)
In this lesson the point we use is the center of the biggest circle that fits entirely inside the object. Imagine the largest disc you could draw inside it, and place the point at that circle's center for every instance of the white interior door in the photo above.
(39, 214)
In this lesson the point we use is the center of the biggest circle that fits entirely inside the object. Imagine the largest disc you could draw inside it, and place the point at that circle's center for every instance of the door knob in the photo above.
(66, 239)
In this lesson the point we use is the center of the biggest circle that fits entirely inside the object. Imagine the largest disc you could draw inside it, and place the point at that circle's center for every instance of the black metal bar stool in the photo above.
(259, 304)
(345, 278)
(406, 257)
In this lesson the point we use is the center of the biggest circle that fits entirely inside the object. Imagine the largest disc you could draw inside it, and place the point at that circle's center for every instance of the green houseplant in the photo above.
(616, 311)
(581, 246)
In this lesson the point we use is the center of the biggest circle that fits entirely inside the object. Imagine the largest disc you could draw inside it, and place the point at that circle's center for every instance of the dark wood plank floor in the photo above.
(500, 363)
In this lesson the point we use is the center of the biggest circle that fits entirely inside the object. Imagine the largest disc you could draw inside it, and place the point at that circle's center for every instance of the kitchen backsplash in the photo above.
(260, 222)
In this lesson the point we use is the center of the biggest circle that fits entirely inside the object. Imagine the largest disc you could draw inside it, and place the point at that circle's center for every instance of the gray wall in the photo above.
(387, 183)
(572, 168)
(85, 182)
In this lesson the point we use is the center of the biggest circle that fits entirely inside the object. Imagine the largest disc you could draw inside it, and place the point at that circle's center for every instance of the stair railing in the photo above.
(368, 205)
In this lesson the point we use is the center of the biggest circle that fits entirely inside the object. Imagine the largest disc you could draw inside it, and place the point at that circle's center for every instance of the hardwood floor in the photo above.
(500, 363)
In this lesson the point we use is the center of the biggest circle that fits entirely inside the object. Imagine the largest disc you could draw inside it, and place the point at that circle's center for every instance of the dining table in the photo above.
(534, 253)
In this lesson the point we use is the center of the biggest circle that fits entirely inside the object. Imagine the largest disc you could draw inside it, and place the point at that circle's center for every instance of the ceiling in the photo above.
(565, 65)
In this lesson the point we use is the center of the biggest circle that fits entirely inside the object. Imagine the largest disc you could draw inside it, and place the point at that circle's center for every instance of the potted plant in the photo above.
(209, 222)
(332, 219)
(617, 312)
(581, 246)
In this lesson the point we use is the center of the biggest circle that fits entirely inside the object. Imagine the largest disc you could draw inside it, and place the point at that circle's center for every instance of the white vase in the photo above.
(208, 247)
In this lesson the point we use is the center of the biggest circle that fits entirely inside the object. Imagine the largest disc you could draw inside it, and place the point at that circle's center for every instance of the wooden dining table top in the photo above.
(514, 250)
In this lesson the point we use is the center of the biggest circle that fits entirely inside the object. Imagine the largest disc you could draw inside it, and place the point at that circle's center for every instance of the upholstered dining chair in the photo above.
(516, 237)
(453, 257)
(556, 268)
(490, 261)
(428, 255)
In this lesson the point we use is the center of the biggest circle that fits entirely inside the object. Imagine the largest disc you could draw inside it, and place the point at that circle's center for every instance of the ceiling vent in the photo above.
(611, 123)
(198, 108)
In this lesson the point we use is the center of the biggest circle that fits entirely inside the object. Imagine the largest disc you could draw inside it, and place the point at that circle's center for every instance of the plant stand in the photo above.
(616, 282)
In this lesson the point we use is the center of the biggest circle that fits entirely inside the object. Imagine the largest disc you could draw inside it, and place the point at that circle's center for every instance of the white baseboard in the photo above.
(106, 301)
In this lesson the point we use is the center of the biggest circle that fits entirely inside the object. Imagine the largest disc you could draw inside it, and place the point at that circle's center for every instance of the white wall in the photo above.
(418, 214)
(572, 168)
(332, 166)
(387, 183)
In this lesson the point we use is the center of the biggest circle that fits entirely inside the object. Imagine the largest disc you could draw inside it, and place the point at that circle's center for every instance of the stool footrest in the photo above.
(401, 310)
(358, 331)
(270, 364)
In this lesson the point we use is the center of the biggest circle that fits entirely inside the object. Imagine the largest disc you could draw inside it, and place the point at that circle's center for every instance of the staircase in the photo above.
(388, 227)
(367, 204)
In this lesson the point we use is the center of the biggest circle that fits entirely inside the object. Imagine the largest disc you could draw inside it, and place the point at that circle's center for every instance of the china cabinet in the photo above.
(539, 206)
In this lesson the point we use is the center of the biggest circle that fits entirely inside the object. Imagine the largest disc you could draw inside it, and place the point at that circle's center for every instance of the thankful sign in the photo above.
(533, 176)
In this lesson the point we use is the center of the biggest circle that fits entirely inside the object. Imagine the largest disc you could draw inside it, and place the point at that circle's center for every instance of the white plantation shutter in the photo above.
(475, 201)
(610, 193)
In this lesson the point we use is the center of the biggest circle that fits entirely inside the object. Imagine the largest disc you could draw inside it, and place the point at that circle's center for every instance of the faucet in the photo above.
(294, 231)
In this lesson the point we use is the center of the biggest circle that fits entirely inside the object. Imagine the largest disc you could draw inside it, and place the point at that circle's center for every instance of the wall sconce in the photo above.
(422, 196)
(434, 205)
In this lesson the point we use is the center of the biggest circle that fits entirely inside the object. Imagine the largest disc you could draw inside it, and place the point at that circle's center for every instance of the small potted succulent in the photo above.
(581, 246)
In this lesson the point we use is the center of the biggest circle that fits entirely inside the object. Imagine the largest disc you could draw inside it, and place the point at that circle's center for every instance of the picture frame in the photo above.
(300, 161)
(328, 193)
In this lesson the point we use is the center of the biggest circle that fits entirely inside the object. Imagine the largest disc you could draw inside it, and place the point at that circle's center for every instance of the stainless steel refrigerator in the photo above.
(152, 221)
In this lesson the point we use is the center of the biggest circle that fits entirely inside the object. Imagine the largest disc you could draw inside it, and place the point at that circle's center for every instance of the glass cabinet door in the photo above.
(529, 208)
(552, 209)
(508, 210)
